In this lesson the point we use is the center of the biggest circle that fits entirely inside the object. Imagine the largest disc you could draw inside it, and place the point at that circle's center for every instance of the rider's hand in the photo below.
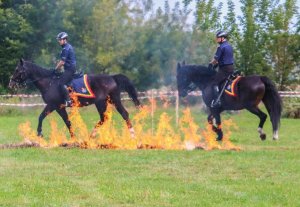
(56, 72)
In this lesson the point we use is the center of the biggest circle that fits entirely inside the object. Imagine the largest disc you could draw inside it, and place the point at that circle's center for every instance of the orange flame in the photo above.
(163, 135)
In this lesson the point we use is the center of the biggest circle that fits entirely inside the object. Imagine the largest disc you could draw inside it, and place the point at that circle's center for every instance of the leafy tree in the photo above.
(248, 45)
(108, 37)
(14, 32)
(207, 15)
(283, 45)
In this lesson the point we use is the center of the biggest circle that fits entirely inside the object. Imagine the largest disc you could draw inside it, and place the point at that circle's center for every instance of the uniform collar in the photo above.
(220, 43)
(64, 45)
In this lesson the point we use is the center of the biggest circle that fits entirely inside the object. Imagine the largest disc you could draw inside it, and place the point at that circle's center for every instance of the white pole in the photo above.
(177, 107)
(152, 112)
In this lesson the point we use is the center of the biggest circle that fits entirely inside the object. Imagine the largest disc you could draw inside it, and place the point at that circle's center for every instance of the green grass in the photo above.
(262, 174)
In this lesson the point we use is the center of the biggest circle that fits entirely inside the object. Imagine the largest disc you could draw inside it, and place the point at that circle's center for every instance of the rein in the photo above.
(23, 83)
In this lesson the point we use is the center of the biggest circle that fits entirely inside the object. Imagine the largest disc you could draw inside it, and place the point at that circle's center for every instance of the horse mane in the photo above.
(38, 69)
(199, 74)
(199, 70)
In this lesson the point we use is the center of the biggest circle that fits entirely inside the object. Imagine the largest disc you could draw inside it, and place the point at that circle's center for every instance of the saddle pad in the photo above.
(81, 87)
(231, 87)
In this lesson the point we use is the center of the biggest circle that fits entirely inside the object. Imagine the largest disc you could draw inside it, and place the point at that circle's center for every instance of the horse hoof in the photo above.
(93, 134)
(219, 139)
(275, 135)
(132, 133)
(263, 137)
(40, 134)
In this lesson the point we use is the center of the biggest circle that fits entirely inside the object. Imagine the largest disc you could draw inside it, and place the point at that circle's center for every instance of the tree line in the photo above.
(145, 43)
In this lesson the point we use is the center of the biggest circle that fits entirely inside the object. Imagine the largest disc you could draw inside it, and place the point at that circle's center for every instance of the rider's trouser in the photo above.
(221, 75)
(66, 78)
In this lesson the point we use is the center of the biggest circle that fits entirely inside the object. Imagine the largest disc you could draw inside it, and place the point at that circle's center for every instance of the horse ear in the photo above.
(183, 62)
(178, 67)
(21, 61)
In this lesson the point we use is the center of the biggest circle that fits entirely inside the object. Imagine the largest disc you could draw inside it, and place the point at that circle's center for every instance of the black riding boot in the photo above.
(216, 102)
(65, 91)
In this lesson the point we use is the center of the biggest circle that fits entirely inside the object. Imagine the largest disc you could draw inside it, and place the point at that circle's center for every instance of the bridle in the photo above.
(191, 86)
(21, 79)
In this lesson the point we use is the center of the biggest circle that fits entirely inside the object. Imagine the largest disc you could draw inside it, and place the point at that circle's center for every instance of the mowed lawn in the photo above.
(262, 174)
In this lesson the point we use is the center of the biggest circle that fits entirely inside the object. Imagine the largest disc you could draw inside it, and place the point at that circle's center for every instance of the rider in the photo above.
(224, 58)
(68, 60)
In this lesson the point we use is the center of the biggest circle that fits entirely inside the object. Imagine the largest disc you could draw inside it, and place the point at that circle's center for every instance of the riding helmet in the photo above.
(221, 34)
(62, 35)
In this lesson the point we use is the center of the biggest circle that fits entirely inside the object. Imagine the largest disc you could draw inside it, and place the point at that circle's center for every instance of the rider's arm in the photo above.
(217, 56)
(63, 56)
(59, 64)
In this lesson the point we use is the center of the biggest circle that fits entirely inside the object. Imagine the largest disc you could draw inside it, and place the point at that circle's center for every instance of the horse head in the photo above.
(182, 81)
(19, 76)
(190, 77)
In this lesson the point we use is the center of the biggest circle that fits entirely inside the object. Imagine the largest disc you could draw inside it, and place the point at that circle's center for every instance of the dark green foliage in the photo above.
(145, 43)
(14, 32)
(291, 108)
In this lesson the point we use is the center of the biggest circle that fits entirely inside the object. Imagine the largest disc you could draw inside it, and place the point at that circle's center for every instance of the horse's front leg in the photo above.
(47, 110)
(64, 115)
(218, 128)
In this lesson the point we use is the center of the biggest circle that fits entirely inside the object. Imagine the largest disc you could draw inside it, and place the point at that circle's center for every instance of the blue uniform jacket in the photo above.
(68, 56)
(224, 54)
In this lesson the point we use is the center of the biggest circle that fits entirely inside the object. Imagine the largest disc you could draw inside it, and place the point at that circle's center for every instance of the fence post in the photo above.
(177, 107)
(152, 112)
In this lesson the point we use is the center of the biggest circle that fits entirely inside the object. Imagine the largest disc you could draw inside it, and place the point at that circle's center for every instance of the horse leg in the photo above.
(47, 110)
(218, 128)
(64, 115)
(101, 106)
(116, 99)
(262, 117)
(210, 118)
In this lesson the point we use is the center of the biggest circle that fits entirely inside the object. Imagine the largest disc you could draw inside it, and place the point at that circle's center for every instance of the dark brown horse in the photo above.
(105, 88)
(251, 90)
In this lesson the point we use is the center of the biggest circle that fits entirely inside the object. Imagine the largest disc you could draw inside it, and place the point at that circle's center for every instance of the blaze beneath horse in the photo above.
(149, 134)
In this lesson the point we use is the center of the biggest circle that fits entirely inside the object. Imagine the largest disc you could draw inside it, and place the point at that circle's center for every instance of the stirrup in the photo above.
(68, 103)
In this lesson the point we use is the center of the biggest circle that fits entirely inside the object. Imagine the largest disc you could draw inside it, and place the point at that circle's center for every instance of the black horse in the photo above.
(251, 90)
(105, 88)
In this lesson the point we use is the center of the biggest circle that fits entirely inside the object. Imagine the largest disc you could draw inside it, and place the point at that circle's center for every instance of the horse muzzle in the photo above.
(12, 84)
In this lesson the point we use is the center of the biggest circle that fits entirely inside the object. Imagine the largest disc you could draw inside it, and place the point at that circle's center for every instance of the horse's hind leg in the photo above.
(262, 117)
(64, 115)
(116, 100)
(47, 110)
(101, 106)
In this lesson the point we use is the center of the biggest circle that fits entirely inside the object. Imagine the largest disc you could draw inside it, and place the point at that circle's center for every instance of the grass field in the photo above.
(262, 174)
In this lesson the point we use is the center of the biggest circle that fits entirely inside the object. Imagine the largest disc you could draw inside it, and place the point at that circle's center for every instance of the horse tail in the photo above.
(272, 102)
(124, 84)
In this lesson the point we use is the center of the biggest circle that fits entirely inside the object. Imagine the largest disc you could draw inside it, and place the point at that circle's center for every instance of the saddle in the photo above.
(78, 75)
(80, 86)
(231, 82)
(234, 75)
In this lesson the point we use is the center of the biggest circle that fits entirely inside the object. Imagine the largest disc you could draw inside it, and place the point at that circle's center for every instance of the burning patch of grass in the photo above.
(187, 135)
